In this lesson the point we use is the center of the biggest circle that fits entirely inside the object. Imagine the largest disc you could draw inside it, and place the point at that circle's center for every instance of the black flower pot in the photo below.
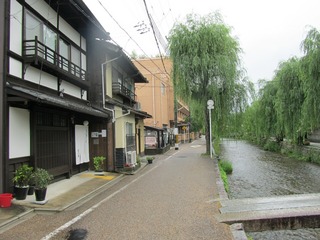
(40, 194)
(20, 193)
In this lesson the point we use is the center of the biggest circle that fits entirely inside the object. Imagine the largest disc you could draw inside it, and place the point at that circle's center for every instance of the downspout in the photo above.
(108, 109)
(103, 88)
(153, 103)
(126, 114)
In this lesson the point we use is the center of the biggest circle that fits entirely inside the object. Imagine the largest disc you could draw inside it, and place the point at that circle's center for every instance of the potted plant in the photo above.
(98, 163)
(128, 168)
(42, 179)
(150, 159)
(138, 161)
(21, 181)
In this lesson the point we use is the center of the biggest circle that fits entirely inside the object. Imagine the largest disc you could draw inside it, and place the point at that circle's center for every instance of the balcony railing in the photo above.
(122, 90)
(35, 51)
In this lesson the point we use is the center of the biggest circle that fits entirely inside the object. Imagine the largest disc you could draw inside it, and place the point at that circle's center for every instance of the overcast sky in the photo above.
(268, 31)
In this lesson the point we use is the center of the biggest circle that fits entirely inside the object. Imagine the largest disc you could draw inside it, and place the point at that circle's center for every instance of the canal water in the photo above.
(259, 173)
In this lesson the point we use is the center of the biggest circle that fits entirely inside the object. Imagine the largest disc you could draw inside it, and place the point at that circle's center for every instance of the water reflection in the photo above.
(259, 173)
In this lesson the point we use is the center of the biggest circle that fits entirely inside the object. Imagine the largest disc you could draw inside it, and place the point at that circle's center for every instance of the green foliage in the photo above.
(197, 116)
(289, 99)
(224, 178)
(41, 178)
(98, 162)
(311, 79)
(22, 175)
(226, 166)
(307, 156)
(272, 146)
(216, 146)
(206, 65)
(288, 106)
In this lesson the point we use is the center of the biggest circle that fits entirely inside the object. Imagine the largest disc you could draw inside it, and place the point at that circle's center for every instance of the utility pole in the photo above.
(210, 106)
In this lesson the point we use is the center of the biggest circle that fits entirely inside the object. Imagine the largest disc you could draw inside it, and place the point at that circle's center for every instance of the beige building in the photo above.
(157, 98)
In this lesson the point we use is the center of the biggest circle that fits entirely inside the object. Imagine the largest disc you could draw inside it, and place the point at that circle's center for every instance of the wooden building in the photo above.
(60, 97)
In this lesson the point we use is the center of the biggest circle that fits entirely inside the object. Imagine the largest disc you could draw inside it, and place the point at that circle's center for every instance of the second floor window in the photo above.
(64, 51)
(34, 27)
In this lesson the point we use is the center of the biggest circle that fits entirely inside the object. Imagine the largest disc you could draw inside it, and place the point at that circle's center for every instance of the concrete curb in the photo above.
(236, 229)
(84, 198)
(77, 202)
(15, 219)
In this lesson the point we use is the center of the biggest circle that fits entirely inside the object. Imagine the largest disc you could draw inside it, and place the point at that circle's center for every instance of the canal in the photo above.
(259, 173)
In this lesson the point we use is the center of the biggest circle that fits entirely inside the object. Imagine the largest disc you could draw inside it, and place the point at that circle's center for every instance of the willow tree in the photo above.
(289, 100)
(311, 67)
(206, 65)
(266, 114)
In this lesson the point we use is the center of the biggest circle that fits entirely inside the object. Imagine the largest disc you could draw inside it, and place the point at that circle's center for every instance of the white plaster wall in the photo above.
(36, 76)
(108, 80)
(45, 10)
(85, 95)
(71, 89)
(15, 27)
(69, 31)
(120, 126)
(19, 132)
(15, 67)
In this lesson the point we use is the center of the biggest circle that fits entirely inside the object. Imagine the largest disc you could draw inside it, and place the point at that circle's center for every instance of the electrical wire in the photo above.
(129, 36)
(154, 34)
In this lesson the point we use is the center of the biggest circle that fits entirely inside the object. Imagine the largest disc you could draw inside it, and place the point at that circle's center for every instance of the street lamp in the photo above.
(210, 106)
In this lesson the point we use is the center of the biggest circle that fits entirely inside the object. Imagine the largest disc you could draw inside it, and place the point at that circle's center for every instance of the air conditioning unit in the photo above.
(132, 158)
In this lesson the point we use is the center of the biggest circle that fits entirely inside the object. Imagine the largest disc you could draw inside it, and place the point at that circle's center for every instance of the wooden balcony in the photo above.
(40, 56)
(120, 89)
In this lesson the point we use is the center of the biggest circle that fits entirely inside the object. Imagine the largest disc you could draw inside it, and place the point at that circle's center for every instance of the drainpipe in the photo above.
(103, 88)
(126, 114)
(153, 103)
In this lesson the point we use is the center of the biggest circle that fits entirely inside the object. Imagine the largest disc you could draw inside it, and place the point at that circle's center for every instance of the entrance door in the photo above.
(52, 146)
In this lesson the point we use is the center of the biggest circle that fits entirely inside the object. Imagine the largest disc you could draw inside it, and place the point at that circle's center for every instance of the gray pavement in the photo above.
(82, 187)
(60, 195)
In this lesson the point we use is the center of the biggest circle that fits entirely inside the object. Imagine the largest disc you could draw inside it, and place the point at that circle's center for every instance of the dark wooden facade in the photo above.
(53, 114)
(3, 44)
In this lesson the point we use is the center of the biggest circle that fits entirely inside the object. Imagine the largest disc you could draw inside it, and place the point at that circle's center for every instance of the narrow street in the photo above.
(173, 198)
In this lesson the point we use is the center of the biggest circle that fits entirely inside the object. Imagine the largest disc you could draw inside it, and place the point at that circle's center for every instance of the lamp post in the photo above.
(210, 106)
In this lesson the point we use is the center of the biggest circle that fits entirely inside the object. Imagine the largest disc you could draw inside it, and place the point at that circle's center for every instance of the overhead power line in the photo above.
(154, 34)
(129, 37)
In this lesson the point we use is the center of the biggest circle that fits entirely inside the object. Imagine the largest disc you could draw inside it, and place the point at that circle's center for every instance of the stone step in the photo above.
(280, 212)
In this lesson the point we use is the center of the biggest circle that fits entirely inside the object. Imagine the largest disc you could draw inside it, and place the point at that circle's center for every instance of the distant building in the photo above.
(157, 98)
(120, 77)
